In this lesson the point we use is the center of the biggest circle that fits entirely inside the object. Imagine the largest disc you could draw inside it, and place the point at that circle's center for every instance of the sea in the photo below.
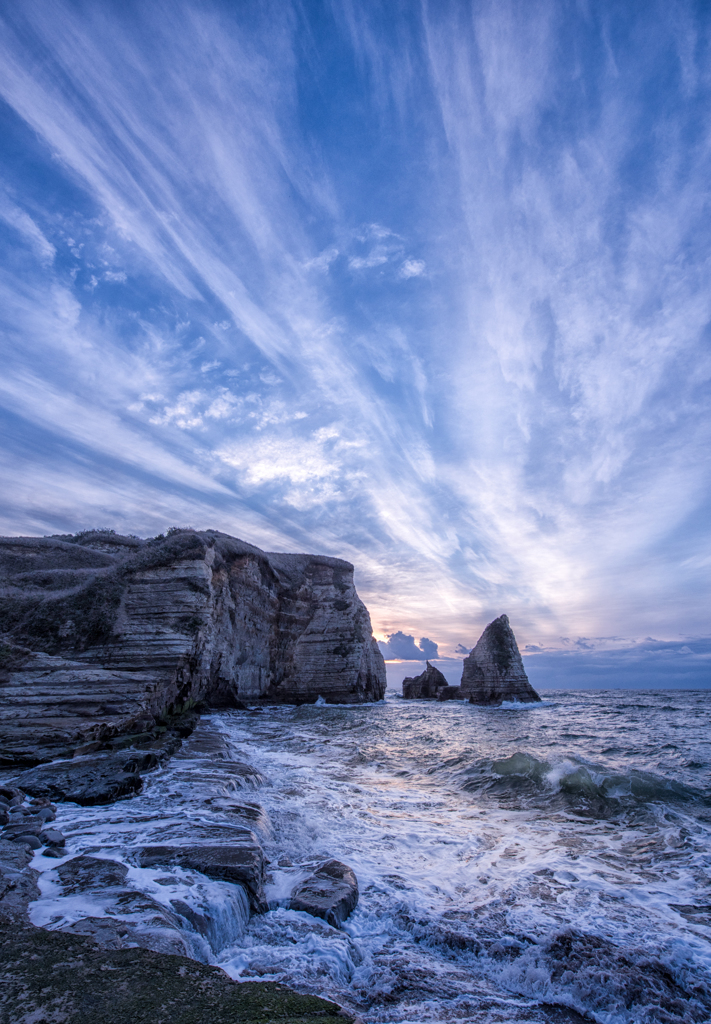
(532, 862)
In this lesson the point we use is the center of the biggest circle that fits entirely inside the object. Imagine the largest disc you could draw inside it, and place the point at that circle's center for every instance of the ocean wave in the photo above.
(576, 782)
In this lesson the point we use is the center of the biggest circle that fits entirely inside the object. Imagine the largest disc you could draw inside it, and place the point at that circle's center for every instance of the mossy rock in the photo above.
(54, 977)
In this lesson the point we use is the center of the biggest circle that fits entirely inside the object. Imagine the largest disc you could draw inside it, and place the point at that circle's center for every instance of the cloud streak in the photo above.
(424, 287)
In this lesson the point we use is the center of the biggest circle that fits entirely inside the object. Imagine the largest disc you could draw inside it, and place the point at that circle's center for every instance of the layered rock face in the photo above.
(429, 684)
(494, 671)
(102, 635)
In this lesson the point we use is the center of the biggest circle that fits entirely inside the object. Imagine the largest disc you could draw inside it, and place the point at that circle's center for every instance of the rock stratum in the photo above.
(104, 636)
(494, 670)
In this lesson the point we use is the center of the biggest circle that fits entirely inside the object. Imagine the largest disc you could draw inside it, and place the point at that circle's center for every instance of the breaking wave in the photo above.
(575, 783)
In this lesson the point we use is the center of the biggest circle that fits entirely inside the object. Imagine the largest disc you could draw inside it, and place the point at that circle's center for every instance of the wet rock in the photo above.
(29, 839)
(46, 814)
(428, 685)
(124, 915)
(26, 826)
(88, 780)
(11, 796)
(86, 874)
(52, 837)
(253, 815)
(238, 857)
(18, 882)
(494, 670)
(331, 893)
(106, 636)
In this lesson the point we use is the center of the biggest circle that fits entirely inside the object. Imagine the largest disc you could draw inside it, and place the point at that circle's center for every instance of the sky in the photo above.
(422, 285)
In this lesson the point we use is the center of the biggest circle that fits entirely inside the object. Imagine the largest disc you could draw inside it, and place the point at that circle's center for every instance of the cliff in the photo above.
(102, 635)
(494, 671)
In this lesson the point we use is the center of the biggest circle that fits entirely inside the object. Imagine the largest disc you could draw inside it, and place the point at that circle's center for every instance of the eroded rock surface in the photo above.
(494, 670)
(105, 635)
(331, 893)
(428, 685)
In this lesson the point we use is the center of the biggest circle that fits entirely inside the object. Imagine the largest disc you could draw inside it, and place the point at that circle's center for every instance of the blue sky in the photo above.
(424, 285)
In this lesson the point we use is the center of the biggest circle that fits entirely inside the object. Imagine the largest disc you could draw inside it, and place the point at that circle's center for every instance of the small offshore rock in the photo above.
(494, 670)
(330, 893)
(428, 685)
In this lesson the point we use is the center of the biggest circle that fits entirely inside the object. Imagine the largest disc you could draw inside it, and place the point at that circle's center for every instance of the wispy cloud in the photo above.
(438, 304)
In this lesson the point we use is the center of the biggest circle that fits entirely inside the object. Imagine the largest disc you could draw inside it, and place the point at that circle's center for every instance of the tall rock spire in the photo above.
(494, 671)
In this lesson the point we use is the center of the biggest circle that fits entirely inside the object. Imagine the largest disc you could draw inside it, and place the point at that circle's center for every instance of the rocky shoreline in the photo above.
(136, 962)
(110, 649)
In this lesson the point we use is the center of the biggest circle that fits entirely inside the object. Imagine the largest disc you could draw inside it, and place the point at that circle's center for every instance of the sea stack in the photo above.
(428, 685)
(494, 671)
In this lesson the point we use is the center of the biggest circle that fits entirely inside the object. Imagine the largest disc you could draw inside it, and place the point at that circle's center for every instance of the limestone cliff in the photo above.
(102, 634)
(494, 671)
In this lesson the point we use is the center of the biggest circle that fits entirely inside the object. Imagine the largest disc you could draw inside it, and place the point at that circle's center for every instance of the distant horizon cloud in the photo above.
(403, 647)
(424, 287)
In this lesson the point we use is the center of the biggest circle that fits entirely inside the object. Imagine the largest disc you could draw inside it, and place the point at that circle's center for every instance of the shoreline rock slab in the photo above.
(238, 858)
(494, 670)
(330, 893)
(88, 780)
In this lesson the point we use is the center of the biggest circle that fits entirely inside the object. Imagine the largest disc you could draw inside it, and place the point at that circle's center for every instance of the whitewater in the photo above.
(532, 863)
